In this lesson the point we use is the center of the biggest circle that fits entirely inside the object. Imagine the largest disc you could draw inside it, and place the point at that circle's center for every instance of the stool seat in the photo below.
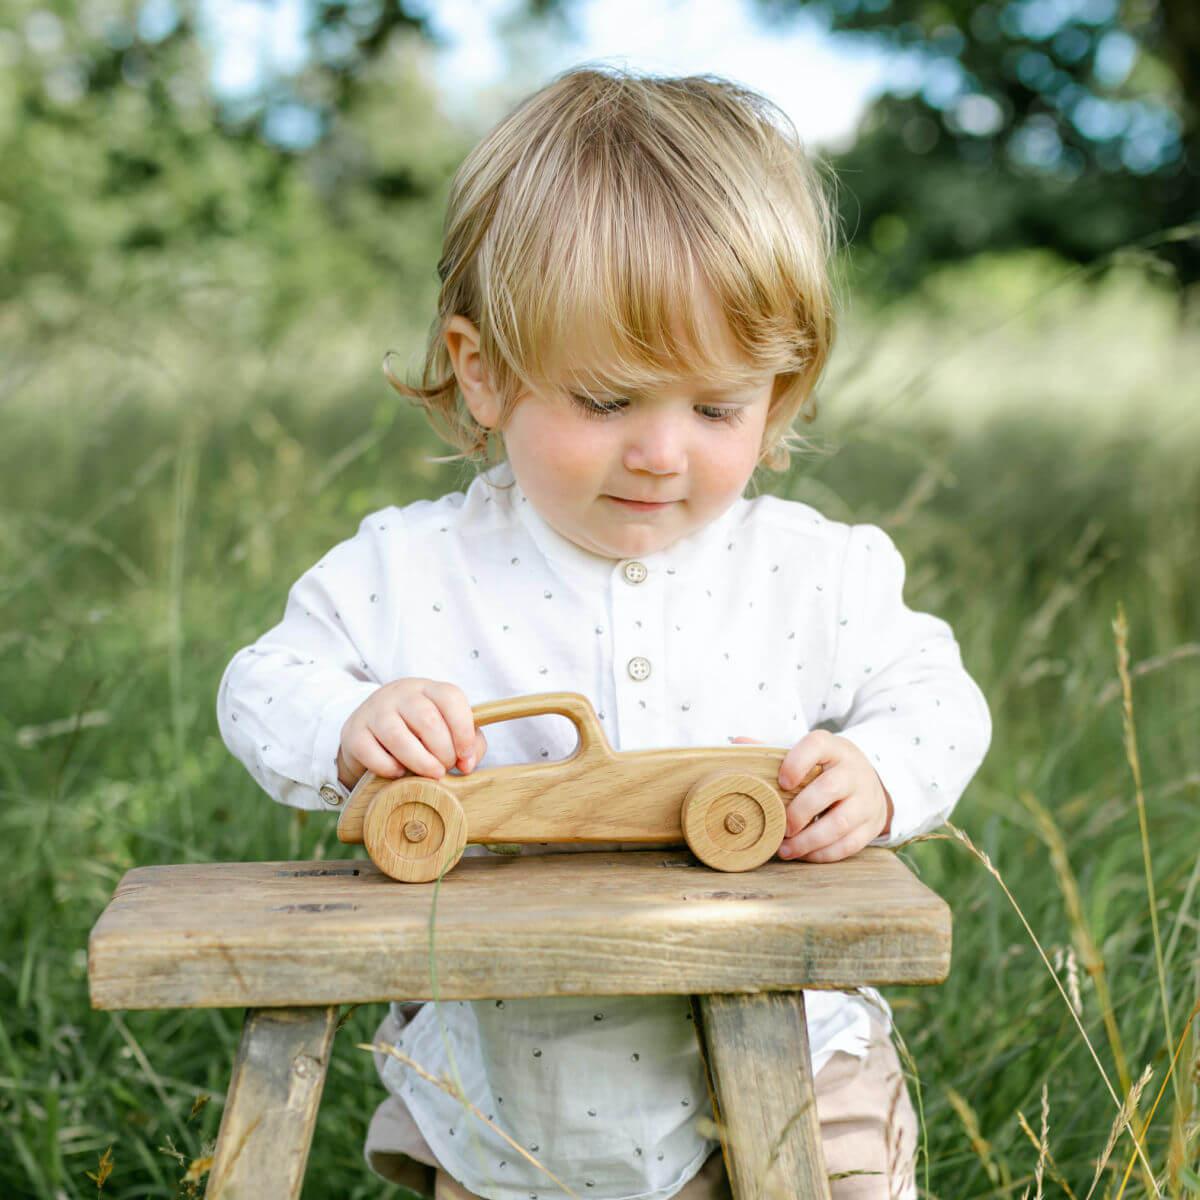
(635, 923)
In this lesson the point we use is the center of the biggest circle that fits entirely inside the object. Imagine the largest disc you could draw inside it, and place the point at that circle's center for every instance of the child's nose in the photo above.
(657, 446)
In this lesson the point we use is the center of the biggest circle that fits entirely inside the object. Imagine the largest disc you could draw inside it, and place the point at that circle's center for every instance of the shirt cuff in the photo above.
(917, 804)
(328, 740)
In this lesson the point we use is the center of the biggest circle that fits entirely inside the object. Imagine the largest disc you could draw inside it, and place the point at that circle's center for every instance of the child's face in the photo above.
(689, 451)
(582, 472)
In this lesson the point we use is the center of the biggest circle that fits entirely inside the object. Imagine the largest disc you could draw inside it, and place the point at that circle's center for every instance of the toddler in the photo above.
(635, 308)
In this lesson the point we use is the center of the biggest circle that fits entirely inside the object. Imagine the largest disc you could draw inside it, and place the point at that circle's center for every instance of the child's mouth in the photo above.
(641, 505)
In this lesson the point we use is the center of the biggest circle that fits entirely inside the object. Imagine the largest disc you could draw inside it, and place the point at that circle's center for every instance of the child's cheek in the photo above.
(731, 465)
(573, 450)
(558, 457)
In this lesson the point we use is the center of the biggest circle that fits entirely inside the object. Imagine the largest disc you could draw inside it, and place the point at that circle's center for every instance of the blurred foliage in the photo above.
(119, 159)
(1067, 124)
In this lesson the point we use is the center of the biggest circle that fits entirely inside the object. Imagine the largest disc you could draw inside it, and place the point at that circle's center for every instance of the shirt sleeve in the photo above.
(283, 700)
(899, 690)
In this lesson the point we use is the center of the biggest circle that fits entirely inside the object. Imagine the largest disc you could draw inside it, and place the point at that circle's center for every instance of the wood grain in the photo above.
(415, 830)
(733, 822)
(593, 923)
(756, 1052)
(271, 1106)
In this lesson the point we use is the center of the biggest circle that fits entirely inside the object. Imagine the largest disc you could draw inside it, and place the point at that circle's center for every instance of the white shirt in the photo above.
(768, 622)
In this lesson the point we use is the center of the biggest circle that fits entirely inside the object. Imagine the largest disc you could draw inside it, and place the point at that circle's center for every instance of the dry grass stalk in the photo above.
(1043, 1142)
(1184, 1126)
(910, 1065)
(897, 1169)
(452, 1090)
(1038, 1143)
(1073, 981)
(1122, 1118)
(1184, 1038)
(1065, 960)
(198, 1168)
(1093, 959)
(1121, 633)
(103, 1170)
(960, 836)
(997, 1172)
(769, 1183)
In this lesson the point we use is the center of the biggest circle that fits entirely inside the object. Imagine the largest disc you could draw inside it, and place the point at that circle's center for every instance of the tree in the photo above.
(1071, 124)
(117, 153)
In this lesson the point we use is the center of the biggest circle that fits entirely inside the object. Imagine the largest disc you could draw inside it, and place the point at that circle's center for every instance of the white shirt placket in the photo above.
(639, 653)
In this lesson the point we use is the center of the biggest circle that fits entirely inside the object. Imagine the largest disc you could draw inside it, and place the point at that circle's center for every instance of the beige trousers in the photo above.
(868, 1134)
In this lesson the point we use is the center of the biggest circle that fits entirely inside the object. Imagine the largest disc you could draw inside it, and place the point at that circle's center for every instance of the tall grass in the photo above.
(1033, 447)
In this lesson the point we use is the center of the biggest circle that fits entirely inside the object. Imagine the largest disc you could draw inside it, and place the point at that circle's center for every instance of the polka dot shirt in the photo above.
(769, 622)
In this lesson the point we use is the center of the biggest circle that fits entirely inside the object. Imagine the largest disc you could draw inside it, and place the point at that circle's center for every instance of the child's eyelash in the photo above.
(598, 408)
(604, 408)
(716, 414)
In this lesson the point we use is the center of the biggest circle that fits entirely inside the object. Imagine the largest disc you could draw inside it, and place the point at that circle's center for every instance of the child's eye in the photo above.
(606, 407)
(715, 413)
(598, 408)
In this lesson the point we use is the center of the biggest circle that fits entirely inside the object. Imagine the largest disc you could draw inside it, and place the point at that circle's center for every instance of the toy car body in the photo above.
(725, 802)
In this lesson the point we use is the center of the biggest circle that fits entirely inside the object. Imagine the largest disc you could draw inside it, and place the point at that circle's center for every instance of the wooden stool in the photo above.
(291, 941)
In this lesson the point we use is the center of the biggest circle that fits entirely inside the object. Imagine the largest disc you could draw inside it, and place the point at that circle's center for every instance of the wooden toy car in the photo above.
(725, 802)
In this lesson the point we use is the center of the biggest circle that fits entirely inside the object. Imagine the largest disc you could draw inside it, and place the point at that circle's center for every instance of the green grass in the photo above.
(1030, 443)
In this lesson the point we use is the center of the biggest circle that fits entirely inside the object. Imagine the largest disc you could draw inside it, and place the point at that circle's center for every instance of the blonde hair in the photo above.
(603, 204)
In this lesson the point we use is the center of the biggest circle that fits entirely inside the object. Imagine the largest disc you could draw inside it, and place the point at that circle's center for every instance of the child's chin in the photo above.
(636, 547)
(627, 537)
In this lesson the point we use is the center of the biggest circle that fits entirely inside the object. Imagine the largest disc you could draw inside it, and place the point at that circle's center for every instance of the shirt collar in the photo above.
(676, 559)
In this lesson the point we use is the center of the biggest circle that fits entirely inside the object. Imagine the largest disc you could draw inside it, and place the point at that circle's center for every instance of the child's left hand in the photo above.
(842, 810)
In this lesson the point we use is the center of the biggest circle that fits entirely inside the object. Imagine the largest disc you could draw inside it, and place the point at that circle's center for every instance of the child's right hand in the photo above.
(410, 725)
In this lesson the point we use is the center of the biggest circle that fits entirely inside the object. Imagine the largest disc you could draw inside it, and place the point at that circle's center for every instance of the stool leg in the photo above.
(756, 1051)
(271, 1108)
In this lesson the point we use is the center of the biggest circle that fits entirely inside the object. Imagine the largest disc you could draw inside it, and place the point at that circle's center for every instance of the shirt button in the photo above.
(638, 668)
(635, 572)
(331, 795)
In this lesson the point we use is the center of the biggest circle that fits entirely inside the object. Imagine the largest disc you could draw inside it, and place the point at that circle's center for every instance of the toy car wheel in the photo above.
(414, 830)
(733, 822)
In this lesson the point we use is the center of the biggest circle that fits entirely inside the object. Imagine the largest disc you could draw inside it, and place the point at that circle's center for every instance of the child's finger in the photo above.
(371, 755)
(456, 711)
(817, 748)
(424, 717)
(826, 829)
(830, 787)
(844, 847)
(406, 747)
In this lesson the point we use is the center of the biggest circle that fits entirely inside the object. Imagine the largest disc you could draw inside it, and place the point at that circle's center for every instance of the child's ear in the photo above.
(462, 344)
